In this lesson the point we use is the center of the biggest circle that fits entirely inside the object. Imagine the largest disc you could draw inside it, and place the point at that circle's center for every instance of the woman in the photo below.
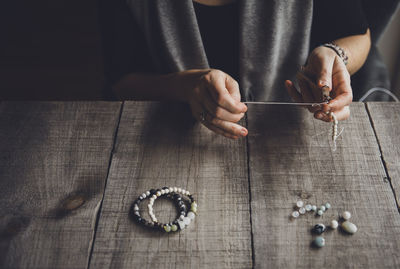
(212, 54)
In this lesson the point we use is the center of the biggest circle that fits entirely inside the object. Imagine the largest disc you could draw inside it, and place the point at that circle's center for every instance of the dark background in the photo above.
(50, 49)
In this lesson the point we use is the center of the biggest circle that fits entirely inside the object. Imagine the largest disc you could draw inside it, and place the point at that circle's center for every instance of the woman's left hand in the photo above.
(325, 72)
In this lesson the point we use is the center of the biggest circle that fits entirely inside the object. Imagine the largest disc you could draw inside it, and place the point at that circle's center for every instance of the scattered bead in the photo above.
(302, 210)
(319, 228)
(295, 214)
(319, 242)
(314, 208)
(308, 208)
(323, 208)
(328, 205)
(346, 215)
(334, 224)
(299, 204)
(349, 227)
(320, 212)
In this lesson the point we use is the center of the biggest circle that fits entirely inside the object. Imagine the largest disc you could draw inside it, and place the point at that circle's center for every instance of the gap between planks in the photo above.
(382, 157)
(98, 208)
(253, 258)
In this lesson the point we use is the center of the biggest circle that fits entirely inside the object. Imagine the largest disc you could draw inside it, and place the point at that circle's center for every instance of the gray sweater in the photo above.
(274, 41)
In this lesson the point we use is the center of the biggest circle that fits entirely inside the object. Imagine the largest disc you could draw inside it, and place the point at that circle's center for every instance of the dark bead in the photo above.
(164, 188)
(319, 228)
(152, 191)
(181, 203)
(177, 196)
(139, 219)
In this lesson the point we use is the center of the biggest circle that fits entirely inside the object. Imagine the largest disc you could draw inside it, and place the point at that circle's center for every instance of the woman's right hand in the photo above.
(214, 98)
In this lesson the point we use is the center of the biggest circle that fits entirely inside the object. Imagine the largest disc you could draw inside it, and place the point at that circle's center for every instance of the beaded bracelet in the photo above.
(185, 216)
(180, 223)
(339, 51)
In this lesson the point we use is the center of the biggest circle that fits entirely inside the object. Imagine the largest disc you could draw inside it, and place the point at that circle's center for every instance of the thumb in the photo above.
(324, 77)
(233, 88)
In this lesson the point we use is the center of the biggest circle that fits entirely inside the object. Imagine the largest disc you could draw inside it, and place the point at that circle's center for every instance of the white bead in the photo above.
(323, 208)
(154, 196)
(175, 189)
(171, 189)
(295, 214)
(166, 190)
(299, 204)
(302, 210)
(334, 224)
(136, 208)
(144, 195)
(314, 208)
(308, 208)
(158, 193)
(179, 190)
(346, 215)
(181, 224)
(147, 193)
(191, 215)
(186, 220)
(181, 217)
(187, 193)
(162, 191)
(320, 212)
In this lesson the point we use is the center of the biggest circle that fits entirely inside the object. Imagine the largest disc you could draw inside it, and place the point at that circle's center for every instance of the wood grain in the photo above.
(160, 145)
(54, 163)
(385, 119)
(290, 159)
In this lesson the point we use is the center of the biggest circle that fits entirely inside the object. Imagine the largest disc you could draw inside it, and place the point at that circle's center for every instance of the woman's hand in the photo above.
(214, 98)
(324, 74)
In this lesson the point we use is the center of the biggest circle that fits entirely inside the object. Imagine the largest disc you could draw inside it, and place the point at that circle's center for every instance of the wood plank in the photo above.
(54, 163)
(385, 118)
(160, 145)
(290, 158)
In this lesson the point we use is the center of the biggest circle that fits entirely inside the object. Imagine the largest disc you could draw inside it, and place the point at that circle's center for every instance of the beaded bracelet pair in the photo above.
(174, 193)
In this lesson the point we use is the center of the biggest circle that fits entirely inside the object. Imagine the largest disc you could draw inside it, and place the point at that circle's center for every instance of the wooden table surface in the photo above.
(69, 172)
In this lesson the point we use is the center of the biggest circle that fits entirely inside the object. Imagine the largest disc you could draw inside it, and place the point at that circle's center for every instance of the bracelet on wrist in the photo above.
(339, 51)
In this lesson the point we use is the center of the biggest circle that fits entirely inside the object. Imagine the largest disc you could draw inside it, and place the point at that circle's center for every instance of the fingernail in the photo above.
(243, 131)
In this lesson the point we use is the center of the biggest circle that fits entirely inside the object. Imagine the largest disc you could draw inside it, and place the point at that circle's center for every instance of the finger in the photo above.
(305, 88)
(343, 97)
(233, 88)
(217, 111)
(294, 94)
(226, 126)
(197, 110)
(219, 131)
(216, 86)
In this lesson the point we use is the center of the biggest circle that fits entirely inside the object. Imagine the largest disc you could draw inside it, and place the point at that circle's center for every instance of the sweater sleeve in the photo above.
(124, 46)
(336, 19)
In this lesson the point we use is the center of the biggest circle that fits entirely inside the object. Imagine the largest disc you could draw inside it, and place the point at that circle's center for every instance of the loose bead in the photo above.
(299, 204)
(308, 208)
(295, 214)
(320, 212)
(328, 205)
(302, 210)
(346, 215)
(334, 224)
(319, 228)
(322, 208)
(314, 208)
(319, 241)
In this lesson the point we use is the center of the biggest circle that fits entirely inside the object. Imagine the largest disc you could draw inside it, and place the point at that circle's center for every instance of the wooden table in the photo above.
(69, 173)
